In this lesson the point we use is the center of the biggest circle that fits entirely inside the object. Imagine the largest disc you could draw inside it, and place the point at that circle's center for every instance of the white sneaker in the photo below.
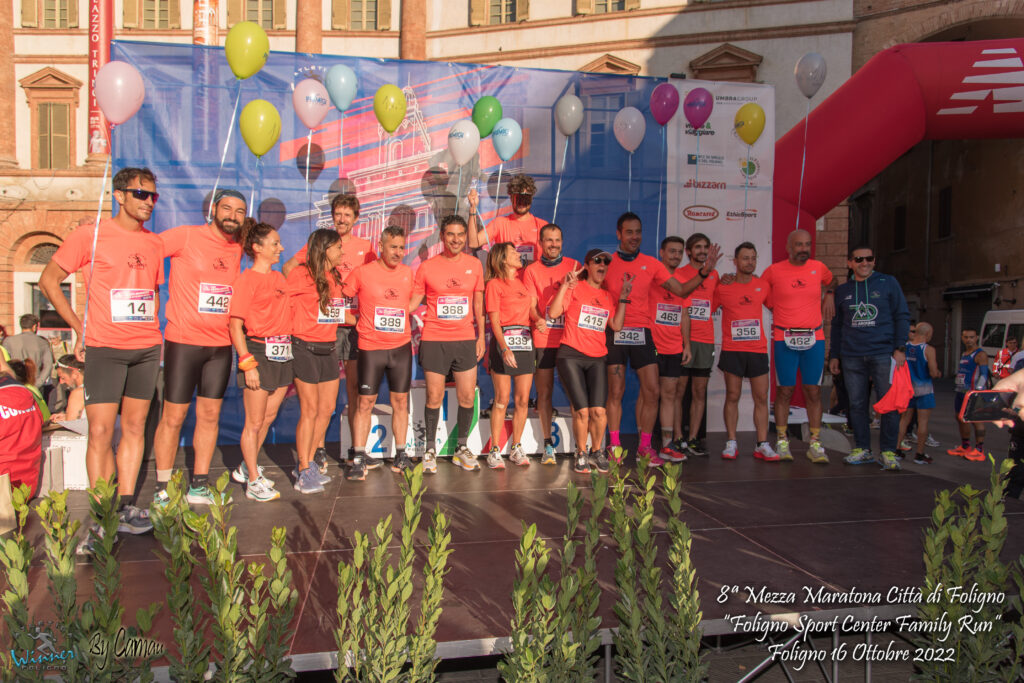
(930, 442)
(257, 490)
(518, 456)
(729, 452)
(241, 473)
(764, 451)
(430, 462)
(494, 460)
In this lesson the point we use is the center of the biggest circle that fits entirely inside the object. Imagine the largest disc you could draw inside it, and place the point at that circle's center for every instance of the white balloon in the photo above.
(569, 114)
(463, 141)
(630, 127)
(810, 73)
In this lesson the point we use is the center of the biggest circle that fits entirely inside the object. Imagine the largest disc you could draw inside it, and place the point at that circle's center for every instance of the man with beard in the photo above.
(520, 227)
(197, 348)
(802, 293)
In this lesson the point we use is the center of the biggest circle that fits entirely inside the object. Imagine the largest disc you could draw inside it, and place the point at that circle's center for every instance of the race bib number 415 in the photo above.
(593, 318)
(132, 305)
(214, 298)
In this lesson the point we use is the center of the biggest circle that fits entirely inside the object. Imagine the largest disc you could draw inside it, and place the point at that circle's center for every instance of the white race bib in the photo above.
(525, 253)
(518, 338)
(746, 330)
(132, 305)
(452, 307)
(554, 323)
(798, 340)
(630, 336)
(333, 314)
(214, 298)
(669, 314)
(351, 304)
(700, 309)
(279, 349)
(391, 320)
(593, 318)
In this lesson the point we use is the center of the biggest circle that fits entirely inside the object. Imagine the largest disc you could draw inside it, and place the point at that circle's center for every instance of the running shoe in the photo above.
(494, 460)
(696, 447)
(655, 460)
(959, 450)
(974, 455)
(908, 443)
(256, 490)
(241, 473)
(816, 453)
(161, 499)
(618, 454)
(91, 541)
(930, 442)
(430, 461)
(320, 459)
(349, 455)
(901, 453)
(764, 451)
(922, 459)
(648, 452)
(321, 478)
(889, 461)
(548, 457)
(357, 470)
(669, 455)
(580, 463)
(373, 463)
(309, 480)
(133, 520)
(876, 424)
(859, 456)
(782, 450)
(518, 456)
(466, 459)
(401, 462)
(199, 495)
(600, 460)
(729, 452)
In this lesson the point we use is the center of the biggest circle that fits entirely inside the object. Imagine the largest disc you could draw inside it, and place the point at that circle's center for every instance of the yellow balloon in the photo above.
(389, 105)
(749, 122)
(246, 48)
(260, 125)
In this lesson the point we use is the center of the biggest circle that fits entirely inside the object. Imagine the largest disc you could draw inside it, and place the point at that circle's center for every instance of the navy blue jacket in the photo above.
(871, 317)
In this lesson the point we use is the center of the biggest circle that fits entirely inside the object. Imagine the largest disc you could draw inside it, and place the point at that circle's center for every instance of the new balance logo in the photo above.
(1005, 100)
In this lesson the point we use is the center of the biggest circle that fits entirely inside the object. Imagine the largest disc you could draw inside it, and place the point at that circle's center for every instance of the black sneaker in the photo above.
(351, 454)
(922, 459)
(901, 454)
(320, 459)
(696, 447)
(357, 470)
(600, 460)
(401, 463)
(581, 464)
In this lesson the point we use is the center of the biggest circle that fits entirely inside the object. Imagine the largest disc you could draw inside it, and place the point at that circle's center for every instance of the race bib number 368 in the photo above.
(452, 307)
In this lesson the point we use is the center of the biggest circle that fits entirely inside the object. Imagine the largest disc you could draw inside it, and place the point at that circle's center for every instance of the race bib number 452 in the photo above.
(132, 305)
(214, 298)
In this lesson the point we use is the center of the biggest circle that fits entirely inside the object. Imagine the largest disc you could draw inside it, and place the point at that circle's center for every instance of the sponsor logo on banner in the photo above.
(700, 212)
(735, 98)
(740, 215)
(750, 168)
(713, 160)
(705, 184)
(706, 129)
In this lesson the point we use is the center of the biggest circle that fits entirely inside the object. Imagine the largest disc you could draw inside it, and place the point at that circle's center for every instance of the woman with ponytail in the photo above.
(260, 327)
(317, 307)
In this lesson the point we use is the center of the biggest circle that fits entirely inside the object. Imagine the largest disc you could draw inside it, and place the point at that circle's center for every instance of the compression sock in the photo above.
(164, 476)
(613, 438)
(666, 437)
(431, 416)
(465, 421)
(965, 444)
(645, 440)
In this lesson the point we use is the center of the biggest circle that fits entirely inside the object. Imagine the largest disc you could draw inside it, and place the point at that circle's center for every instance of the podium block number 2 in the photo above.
(382, 433)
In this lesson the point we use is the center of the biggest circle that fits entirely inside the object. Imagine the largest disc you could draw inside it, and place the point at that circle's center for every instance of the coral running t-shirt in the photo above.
(702, 327)
(449, 284)
(667, 310)
(647, 272)
(123, 298)
(309, 321)
(384, 295)
(796, 296)
(204, 265)
(588, 310)
(510, 299)
(742, 315)
(522, 231)
(543, 282)
(354, 252)
(261, 302)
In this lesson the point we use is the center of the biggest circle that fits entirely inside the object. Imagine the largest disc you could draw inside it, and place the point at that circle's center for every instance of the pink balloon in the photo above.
(697, 106)
(664, 103)
(119, 91)
(311, 102)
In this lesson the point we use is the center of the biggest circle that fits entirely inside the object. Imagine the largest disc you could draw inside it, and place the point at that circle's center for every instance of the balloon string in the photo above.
(497, 193)
(458, 193)
(558, 192)
(384, 195)
(696, 180)
(746, 186)
(95, 236)
(224, 154)
(629, 186)
(803, 164)
(309, 186)
(252, 193)
(661, 182)
(341, 145)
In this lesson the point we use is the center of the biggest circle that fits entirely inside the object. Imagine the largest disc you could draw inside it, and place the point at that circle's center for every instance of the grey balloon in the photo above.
(810, 73)
(569, 114)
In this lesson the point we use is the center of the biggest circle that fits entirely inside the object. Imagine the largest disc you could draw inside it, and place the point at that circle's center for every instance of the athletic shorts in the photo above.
(314, 362)
(273, 374)
(670, 365)
(189, 369)
(395, 363)
(637, 355)
(810, 362)
(958, 402)
(744, 363)
(584, 378)
(546, 358)
(450, 356)
(926, 402)
(524, 361)
(347, 343)
(702, 358)
(111, 374)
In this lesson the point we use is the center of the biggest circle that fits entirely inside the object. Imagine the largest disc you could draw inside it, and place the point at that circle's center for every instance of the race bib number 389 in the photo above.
(389, 319)
(214, 298)
(132, 305)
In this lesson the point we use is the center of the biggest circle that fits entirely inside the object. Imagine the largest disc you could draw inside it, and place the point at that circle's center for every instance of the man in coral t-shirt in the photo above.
(123, 267)
(520, 227)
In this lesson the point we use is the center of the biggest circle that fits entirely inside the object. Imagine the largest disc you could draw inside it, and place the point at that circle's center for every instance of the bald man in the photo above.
(924, 367)
(802, 293)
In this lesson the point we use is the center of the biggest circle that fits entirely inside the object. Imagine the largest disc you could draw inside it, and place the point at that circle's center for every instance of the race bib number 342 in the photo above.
(630, 336)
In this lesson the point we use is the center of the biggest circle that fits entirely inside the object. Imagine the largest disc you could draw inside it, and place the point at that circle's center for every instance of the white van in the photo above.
(998, 326)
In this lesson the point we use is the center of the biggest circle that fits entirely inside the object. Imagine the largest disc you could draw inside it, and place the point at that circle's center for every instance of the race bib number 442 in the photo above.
(214, 298)
(132, 305)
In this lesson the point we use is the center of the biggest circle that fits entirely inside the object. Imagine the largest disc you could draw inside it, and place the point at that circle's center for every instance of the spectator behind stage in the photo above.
(1002, 366)
(30, 346)
(21, 431)
(71, 373)
(25, 372)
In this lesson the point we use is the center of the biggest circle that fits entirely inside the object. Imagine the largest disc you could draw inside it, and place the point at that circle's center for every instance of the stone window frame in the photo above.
(32, 14)
(50, 86)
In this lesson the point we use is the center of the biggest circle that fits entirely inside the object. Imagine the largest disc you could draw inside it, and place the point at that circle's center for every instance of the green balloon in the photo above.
(486, 113)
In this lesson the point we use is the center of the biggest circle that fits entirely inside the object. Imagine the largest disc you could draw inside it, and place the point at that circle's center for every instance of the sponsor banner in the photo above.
(101, 30)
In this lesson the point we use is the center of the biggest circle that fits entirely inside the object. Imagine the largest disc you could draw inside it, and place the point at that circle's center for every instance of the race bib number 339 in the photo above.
(132, 305)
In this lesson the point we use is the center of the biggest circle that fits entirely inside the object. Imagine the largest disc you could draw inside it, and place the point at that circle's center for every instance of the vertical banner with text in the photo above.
(101, 30)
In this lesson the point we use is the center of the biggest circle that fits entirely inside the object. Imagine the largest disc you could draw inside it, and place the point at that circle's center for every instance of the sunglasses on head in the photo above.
(601, 260)
(862, 259)
(142, 195)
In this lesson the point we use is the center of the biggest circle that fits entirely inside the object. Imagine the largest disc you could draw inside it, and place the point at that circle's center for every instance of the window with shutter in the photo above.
(605, 6)
(502, 12)
(363, 15)
(279, 14)
(477, 12)
(340, 10)
(29, 14)
(236, 12)
(522, 10)
(155, 13)
(55, 14)
(383, 15)
(54, 137)
(130, 14)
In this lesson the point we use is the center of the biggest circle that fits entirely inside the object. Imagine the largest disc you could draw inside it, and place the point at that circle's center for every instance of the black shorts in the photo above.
(524, 361)
(273, 374)
(584, 378)
(111, 374)
(743, 363)
(347, 343)
(670, 365)
(546, 357)
(314, 362)
(395, 363)
(188, 369)
(638, 355)
(450, 356)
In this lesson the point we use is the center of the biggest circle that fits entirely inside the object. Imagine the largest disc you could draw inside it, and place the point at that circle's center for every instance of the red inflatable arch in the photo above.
(906, 94)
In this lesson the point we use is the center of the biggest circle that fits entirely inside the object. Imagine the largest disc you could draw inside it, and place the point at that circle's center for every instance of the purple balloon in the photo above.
(664, 103)
(697, 106)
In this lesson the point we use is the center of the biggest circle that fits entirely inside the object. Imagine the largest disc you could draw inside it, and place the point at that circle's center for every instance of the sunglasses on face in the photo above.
(601, 260)
(522, 195)
(862, 259)
(142, 195)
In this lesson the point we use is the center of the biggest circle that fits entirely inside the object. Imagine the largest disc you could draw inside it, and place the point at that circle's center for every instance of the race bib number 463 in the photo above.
(214, 298)
(132, 305)
(668, 314)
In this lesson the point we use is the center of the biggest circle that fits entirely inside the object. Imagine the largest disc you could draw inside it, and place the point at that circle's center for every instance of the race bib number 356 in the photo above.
(746, 330)
(390, 320)
(214, 298)
(132, 305)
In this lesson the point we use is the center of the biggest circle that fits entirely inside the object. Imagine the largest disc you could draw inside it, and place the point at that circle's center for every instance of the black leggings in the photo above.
(584, 378)
(188, 367)
(395, 363)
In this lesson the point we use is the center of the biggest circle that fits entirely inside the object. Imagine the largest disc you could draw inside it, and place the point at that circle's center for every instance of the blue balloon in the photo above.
(507, 136)
(341, 86)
